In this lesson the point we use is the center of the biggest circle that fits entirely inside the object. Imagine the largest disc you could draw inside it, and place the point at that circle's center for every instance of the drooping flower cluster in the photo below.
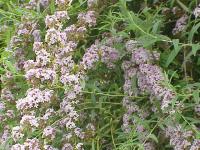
(130, 73)
(33, 4)
(180, 25)
(34, 98)
(31, 144)
(49, 133)
(29, 120)
(26, 32)
(150, 79)
(7, 100)
(52, 66)
(129, 121)
(197, 110)
(149, 76)
(41, 74)
(100, 51)
(17, 133)
(90, 57)
(4, 136)
(131, 45)
(182, 139)
(91, 4)
(140, 75)
(7, 95)
(88, 18)
(196, 11)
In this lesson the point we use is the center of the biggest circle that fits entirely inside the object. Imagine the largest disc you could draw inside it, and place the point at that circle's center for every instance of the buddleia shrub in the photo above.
(99, 75)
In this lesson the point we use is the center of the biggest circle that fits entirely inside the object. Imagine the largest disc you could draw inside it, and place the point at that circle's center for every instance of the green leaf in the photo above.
(156, 26)
(134, 22)
(153, 137)
(10, 66)
(146, 40)
(173, 53)
(52, 7)
(198, 135)
(1, 70)
(193, 31)
(162, 38)
(196, 96)
(5, 54)
(195, 48)
(184, 7)
(83, 84)
(198, 61)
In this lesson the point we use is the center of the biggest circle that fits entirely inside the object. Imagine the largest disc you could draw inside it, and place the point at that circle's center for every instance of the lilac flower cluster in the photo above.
(49, 133)
(4, 136)
(54, 21)
(26, 30)
(90, 57)
(182, 139)
(38, 70)
(74, 32)
(150, 79)
(131, 71)
(33, 4)
(64, 64)
(196, 11)
(197, 110)
(180, 25)
(34, 98)
(41, 74)
(63, 4)
(129, 121)
(130, 109)
(29, 120)
(7, 99)
(141, 76)
(17, 133)
(91, 4)
(88, 18)
(7, 95)
(131, 45)
(100, 52)
(109, 55)
(31, 144)
(54, 65)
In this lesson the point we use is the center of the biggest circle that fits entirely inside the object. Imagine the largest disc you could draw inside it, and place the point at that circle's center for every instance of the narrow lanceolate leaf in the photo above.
(10, 66)
(149, 40)
(193, 31)
(173, 53)
(146, 40)
(183, 6)
(1, 70)
(52, 7)
(196, 96)
(153, 137)
(195, 48)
